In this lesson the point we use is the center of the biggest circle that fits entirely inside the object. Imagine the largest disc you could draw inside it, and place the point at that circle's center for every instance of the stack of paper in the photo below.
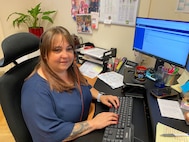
(113, 79)
(170, 108)
(90, 70)
(91, 59)
(94, 52)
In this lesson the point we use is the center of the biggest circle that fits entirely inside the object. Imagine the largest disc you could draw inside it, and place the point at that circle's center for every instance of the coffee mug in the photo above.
(140, 73)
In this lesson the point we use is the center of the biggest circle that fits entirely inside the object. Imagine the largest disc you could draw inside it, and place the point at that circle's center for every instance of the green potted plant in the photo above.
(32, 19)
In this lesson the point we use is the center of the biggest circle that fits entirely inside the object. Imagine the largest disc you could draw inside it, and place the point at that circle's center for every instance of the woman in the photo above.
(56, 97)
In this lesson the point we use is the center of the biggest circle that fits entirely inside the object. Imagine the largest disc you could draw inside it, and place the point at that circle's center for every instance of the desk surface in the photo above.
(155, 115)
(144, 124)
(139, 119)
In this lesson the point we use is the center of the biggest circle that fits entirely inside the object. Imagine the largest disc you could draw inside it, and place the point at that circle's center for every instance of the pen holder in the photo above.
(169, 78)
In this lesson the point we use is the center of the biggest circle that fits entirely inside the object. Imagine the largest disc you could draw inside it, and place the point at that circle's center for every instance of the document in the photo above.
(177, 87)
(183, 78)
(90, 70)
(91, 59)
(121, 12)
(113, 79)
(170, 108)
(162, 129)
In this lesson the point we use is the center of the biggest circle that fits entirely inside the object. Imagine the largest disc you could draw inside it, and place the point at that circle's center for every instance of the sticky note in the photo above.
(185, 87)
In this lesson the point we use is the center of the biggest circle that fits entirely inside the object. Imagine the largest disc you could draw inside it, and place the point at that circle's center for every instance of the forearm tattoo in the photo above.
(79, 129)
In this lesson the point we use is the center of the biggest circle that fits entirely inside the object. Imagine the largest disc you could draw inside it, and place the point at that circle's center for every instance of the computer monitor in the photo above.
(166, 40)
(187, 65)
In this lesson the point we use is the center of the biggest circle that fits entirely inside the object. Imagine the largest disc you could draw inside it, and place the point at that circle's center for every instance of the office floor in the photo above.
(5, 134)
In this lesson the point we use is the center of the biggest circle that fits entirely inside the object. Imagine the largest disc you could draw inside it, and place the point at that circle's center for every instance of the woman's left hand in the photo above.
(110, 100)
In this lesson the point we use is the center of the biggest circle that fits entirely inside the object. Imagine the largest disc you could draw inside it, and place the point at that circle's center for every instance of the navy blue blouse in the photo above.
(49, 115)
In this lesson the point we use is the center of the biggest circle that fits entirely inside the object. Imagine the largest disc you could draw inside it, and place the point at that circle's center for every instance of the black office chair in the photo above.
(13, 47)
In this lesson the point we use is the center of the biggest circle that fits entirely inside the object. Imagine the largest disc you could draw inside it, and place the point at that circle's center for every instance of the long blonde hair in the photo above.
(55, 82)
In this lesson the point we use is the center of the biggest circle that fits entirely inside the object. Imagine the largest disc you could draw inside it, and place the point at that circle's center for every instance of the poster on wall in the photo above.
(84, 7)
(182, 6)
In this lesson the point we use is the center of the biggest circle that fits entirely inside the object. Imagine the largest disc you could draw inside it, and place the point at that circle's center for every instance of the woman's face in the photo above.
(61, 56)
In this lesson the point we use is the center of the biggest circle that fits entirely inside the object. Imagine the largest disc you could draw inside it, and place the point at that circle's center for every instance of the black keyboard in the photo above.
(124, 130)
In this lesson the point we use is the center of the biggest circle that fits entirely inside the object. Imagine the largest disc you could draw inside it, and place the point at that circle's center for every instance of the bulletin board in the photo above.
(119, 12)
(183, 6)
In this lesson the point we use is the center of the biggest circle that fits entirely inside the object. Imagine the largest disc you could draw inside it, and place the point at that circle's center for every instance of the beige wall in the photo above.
(1, 38)
(166, 9)
(2, 69)
(120, 37)
(107, 36)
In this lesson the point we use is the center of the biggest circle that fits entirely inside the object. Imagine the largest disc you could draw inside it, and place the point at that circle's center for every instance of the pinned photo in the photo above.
(84, 23)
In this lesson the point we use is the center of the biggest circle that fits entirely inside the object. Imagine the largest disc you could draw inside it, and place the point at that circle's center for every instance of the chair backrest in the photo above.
(11, 82)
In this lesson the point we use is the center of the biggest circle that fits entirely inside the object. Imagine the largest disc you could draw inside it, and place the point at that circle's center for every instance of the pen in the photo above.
(175, 135)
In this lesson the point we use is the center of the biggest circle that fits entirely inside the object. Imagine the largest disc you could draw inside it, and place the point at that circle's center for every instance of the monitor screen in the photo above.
(166, 40)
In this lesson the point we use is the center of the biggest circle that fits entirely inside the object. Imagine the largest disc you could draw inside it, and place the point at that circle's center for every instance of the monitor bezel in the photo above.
(159, 60)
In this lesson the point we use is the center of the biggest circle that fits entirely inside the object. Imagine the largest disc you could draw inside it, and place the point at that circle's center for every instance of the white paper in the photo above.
(95, 20)
(94, 52)
(182, 6)
(183, 78)
(113, 79)
(90, 70)
(170, 108)
(122, 12)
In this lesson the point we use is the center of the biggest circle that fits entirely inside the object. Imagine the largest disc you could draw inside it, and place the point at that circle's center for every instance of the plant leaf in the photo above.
(47, 18)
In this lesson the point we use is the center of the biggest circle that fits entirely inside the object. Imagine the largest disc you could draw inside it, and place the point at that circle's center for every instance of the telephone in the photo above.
(125, 63)
(131, 63)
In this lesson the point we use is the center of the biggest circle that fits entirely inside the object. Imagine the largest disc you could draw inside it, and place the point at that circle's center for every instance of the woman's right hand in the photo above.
(104, 119)
(98, 122)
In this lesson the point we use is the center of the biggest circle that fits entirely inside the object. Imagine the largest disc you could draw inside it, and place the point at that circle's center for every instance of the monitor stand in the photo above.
(159, 62)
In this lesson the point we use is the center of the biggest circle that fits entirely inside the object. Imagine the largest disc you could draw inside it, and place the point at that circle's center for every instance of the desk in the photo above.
(155, 115)
(140, 120)
(146, 114)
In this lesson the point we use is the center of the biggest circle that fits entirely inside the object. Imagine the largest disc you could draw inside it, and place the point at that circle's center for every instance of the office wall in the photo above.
(2, 69)
(106, 36)
(166, 9)
(8, 7)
